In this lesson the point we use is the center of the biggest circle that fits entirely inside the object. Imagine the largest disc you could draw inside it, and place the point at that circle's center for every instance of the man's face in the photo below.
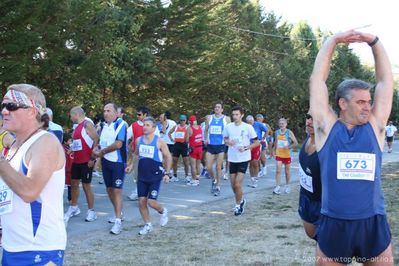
(15, 116)
(358, 108)
(282, 123)
(260, 119)
(110, 114)
(309, 124)
(148, 128)
(236, 116)
(162, 117)
(140, 115)
(218, 109)
(74, 117)
(250, 120)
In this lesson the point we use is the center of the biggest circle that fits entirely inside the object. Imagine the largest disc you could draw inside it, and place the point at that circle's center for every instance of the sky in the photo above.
(342, 15)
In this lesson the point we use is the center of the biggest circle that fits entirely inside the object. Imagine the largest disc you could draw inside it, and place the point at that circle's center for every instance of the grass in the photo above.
(269, 233)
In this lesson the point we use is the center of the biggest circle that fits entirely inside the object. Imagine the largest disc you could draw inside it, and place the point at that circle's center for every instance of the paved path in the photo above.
(176, 196)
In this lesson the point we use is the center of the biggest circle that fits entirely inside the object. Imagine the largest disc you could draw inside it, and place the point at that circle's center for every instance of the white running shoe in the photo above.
(163, 220)
(133, 196)
(188, 179)
(194, 183)
(117, 227)
(72, 211)
(287, 189)
(225, 176)
(174, 179)
(91, 216)
(254, 182)
(276, 190)
(146, 229)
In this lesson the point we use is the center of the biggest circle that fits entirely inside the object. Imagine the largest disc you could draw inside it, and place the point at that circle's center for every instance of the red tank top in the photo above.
(180, 133)
(138, 131)
(196, 138)
(82, 144)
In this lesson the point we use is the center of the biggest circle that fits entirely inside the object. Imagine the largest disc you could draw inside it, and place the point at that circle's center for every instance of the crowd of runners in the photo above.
(341, 200)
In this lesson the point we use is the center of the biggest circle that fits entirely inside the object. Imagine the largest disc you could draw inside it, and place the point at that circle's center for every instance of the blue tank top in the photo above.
(215, 130)
(309, 174)
(150, 160)
(350, 163)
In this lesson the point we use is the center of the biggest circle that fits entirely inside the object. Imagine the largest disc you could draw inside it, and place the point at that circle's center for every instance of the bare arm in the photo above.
(206, 129)
(91, 131)
(167, 157)
(322, 113)
(46, 149)
(383, 95)
(294, 140)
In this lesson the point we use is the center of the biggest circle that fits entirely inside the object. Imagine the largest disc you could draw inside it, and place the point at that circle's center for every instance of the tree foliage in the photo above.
(180, 56)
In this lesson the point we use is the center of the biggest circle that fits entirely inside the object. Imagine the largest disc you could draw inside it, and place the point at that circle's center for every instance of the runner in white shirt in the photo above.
(238, 136)
(390, 131)
(32, 183)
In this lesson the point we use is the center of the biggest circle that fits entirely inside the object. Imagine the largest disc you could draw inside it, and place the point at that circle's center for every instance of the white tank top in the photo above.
(38, 225)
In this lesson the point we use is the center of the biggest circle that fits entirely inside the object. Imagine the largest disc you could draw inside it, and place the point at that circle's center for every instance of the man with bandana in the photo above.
(32, 183)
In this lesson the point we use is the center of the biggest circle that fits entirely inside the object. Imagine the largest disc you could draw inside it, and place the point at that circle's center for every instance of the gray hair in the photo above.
(259, 116)
(150, 119)
(345, 88)
(250, 117)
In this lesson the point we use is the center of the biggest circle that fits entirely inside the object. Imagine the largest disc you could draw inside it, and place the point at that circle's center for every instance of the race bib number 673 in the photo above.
(356, 166)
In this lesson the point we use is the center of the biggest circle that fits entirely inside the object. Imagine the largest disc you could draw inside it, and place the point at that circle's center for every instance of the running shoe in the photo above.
(91, 216)
(117, 227)
(72, 211)
(163, 220)
(276, 190)
(147, 228)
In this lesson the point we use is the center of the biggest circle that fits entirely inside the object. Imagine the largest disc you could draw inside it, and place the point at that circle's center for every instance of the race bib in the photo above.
(179, 135)
(76, 145)
(305, 180)
(282, 143)
(146, 151)
(356, 166)
(215, 130)
(6, 196)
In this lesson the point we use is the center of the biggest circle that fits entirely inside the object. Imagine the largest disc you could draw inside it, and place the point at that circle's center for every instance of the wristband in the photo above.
(371, 44)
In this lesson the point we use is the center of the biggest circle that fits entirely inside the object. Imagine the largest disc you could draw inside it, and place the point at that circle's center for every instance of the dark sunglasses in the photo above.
(11, 106)
(138, 114)
(308, 116)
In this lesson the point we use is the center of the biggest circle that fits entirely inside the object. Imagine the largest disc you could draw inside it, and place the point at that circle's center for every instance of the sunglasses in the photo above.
(11, 106)
(138, 114)
(308, 116)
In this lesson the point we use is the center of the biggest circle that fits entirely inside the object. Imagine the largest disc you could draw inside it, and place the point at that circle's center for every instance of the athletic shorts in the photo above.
(180, 148)
(216, 149)
(235, 168)
(284, 160)
(390, 139)
(308, 209)
(255, 154)
(148, 189)
(363, 239)
(81, 171)
(32, 257)
(113, 173)
(196, 153)
(171, 148)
